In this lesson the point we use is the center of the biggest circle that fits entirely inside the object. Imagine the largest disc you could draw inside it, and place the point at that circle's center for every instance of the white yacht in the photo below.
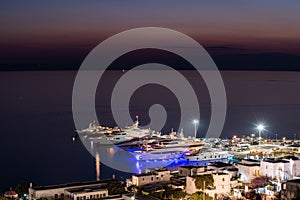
(93, 129)
(160, 154)
(208, 154)
(126, 134)
(180, 142)
(135, 130)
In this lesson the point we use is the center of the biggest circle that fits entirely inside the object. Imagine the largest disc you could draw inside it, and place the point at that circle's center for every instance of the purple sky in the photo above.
(52, 32)
(57, 35)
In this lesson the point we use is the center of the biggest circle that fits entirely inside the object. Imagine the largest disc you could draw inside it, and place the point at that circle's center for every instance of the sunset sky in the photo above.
(239, 34)
(43, 44)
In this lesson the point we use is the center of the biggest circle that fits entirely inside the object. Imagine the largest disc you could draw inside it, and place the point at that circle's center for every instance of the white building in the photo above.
(86, 193)
(59, 191)
(190, 170)
(282, 169)
(150, 178)
(248, 170)
(221, 185)
(237, 191)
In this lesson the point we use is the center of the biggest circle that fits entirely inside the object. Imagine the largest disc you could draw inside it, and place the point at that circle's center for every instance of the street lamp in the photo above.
(283, 139)
(196, 122)
(260, 128)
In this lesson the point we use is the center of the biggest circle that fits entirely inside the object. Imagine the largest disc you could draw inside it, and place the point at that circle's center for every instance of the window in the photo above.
(284, 186)
(151, 178)
(56, 196)
(162, 175)
(223, 179)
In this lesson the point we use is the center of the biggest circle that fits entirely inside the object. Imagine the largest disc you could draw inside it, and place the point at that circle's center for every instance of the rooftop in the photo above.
(280, 160)
(294, 181)
(207, 173)
(85, 189)
(273, 160)
(249, 164)
(291, 157)
(150, 173)
(75, 184)
(191, 167)
(219, 164)
(251, 160)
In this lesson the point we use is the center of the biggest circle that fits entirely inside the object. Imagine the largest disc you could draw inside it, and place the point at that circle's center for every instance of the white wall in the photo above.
(248, 173)
(161, 176)
(221, 183)
(50, 193)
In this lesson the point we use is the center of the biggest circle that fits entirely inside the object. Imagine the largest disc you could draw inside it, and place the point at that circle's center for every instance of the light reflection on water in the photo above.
(113, 155)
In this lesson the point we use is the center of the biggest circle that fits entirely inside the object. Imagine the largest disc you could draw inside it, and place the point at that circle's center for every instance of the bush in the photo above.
(115, 187)
(202, 180)
(200, 196)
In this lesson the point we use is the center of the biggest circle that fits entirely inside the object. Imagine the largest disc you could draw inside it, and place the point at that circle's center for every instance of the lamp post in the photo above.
(196, 122)
(260, 128)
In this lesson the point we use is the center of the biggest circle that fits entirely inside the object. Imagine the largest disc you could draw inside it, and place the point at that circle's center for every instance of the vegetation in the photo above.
(169, 193)
(204, 180)
(267, 183)
(178, 193)
(281, 153)
(22, 190)
(200, 196)
(115, 187)
(237, 177)
(259, 182)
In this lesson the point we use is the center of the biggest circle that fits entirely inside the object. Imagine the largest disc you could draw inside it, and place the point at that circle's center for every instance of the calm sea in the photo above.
(36, 122)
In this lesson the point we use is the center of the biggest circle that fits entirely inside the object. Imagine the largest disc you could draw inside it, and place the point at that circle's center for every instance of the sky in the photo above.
(58, 35)
(238, 34)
